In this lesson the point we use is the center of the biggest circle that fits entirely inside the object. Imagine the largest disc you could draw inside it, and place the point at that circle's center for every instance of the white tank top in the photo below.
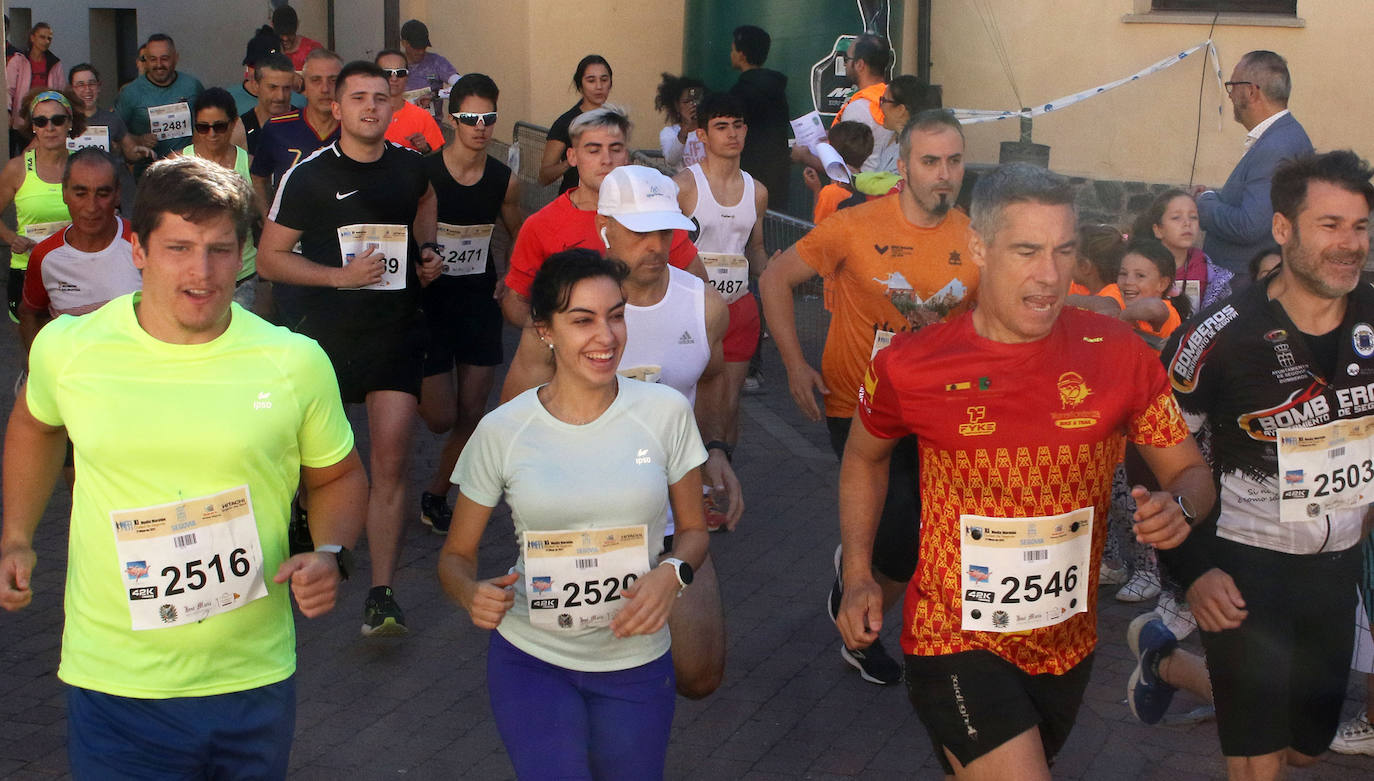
(669, 338)
(722, 229)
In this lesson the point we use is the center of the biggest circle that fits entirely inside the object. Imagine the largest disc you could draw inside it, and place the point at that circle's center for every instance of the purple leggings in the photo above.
(561, 723)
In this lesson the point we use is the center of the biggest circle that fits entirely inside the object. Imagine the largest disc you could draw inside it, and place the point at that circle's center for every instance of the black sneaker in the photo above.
(873, 663)
(298, 536)
(382, 617)
(435, 512)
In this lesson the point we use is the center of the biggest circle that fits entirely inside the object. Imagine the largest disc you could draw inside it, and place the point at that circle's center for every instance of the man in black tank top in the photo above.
(462, 317)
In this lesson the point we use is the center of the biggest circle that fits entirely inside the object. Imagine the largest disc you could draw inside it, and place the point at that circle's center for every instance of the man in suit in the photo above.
(1238, 217)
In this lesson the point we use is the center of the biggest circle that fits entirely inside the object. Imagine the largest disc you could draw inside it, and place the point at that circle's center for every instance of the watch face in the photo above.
(684, 572)
(1187, 508)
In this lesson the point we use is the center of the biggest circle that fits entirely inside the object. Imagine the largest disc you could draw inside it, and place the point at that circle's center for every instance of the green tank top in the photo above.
(38, 207)
(250, 251)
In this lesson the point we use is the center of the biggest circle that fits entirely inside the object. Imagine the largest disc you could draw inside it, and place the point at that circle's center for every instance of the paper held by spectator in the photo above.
(414, 95)
(834, 164)
(809, 130)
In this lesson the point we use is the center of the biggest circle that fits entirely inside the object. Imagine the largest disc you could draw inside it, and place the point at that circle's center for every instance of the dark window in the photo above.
(1286, 7)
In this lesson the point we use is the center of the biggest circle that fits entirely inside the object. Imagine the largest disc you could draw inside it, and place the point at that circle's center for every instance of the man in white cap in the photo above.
(675, 327)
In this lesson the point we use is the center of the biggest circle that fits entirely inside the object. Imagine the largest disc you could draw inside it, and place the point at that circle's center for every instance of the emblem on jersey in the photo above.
(954, 259)
(1363, 338)
(976, 425)
(1276, 335)
(982, 384)
(867, 389)
(1072, 390)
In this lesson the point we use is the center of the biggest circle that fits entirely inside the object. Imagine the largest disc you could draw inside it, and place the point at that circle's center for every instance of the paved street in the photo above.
(790, 708)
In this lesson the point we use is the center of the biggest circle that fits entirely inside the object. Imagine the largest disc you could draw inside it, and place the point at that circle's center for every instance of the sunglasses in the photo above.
(57, 120)
(396, 73)
(472, 119)
(204, 128)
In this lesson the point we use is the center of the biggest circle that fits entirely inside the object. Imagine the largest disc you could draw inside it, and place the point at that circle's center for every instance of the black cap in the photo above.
(264, 42)
(415, 33)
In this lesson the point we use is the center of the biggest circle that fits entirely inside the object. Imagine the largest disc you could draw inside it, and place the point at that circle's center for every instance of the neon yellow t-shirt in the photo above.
(154, 423)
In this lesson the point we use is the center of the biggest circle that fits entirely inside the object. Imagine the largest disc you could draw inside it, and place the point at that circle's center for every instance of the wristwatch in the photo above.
(683, 570)
(432, 245)
(343, 556)
(1188, 514)
(724, 447)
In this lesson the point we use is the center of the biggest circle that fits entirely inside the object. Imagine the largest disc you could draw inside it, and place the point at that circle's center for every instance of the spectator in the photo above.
(411, 125)
(592, 80)
(854, 142)
(866, 64)
(764, 93)
(40, 68)
(285, 24)
(677, 98)
(423, 63)
(264, 44)
(1172, 219)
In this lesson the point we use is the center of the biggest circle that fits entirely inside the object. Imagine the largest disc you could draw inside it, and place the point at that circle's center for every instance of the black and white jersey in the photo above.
(327, 191)
(1243, 371)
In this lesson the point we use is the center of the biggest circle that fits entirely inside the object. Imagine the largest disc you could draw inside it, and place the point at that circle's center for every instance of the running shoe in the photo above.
(753, 384)
(1142, 586)
(382, 617)
(298, 534)
(873, 663)
(1355, 736)
(435, 512)
(832, 602)
(1177, 616)
(1147, 693)
(1107, 575)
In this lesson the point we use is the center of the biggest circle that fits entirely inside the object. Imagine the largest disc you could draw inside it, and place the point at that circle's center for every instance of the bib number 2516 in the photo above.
(197, 572)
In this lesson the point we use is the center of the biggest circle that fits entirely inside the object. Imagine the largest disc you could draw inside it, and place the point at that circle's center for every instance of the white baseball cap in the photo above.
(641, 199)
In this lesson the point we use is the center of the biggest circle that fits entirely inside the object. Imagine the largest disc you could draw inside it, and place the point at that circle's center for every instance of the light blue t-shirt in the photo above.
(140, 95)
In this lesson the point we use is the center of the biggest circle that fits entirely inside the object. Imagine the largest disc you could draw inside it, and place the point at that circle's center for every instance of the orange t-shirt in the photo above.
(884, 276)
(828, 201)
(1076, 289)
(1170, 323)
(412, 119)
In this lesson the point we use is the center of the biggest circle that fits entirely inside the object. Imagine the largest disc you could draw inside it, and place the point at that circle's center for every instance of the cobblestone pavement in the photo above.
(790, 708)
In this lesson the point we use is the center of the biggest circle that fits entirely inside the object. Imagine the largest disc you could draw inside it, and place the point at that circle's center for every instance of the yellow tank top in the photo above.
(250, 251)
(38, 208)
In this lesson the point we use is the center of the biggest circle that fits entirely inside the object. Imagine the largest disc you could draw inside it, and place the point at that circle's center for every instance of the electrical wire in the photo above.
(1202, 87)
(989, 21)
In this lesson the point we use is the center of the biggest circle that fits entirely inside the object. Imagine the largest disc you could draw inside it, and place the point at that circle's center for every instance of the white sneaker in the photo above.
(1177, 617)
(1355, 737)
(1142, 586)
(1107, 575)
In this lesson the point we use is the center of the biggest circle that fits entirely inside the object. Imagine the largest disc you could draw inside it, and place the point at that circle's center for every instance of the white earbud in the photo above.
(605, 240)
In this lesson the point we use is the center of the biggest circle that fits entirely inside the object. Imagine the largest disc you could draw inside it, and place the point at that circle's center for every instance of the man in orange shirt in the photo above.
(410, 125)
(1022, 407)
(894, 264)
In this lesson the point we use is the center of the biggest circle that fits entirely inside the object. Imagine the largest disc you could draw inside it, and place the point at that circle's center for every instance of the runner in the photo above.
(599, 144)
(676, 328)
(1022, 407)
(290, 138)
(156, 106)
(78, 269)
(1274, 375)
(473, 189)
(106, 130)
(362, 208)
(595, 457)
(214, 123)
(411, 125)
(592, 80)
(730, 239)
(273, 78)
(32, 183)
(892, 265)
(193, 421)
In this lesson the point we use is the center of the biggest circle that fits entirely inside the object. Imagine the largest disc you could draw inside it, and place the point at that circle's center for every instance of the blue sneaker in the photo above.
(1146, 693)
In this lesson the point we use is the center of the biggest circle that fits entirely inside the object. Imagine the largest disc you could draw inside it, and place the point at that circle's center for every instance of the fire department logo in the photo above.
(1072, 389)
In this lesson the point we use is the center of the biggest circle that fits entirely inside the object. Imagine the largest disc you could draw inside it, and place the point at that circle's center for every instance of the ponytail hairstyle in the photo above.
(1103, 246)
(1154, 251)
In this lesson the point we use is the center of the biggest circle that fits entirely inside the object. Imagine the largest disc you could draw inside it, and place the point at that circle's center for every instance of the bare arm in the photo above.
(712, 390)
(30, 321)
(554, 163)
(652, 597)
(486, 601)
(32, 461)
(1102, 305)
(1151, 310)
(11, 178)
(784, 273)
(260, 184)
(686, 191)
(1181, 471)
(754, 250)
(532, 365)
(336, 502)
(512, 216)
(239, 136)
(426, 227)
(863, 486)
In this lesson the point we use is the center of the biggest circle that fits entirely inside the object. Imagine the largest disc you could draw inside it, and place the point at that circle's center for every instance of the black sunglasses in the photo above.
(205, 127)
(57, 120)
(471, 119)
(396, 73)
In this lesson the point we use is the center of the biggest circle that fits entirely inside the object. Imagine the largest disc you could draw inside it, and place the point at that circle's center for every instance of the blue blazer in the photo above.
(1239, 217)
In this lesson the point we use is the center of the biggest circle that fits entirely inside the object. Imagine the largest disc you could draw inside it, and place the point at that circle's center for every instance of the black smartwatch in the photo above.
(342, 556)
(432, 245)
(724, 447)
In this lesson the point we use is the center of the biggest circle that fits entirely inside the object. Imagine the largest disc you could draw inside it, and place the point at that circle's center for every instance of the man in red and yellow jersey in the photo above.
(1022, 408)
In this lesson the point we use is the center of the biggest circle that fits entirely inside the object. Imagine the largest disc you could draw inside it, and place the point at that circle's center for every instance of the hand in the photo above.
(16, 572)
(417, 140)
(142, 152)
(717, 473)
(21, 244)
(365, 269)
(430, 266)
(314, 581)
(861, 611)
(812, 179)
(491, 599)
(1199, 189)
(500, 289)
(802, 380)
(1216, 602)
(1159, 521)
(650, 601)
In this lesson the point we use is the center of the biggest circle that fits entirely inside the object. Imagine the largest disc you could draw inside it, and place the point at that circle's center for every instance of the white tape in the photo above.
(970, 116)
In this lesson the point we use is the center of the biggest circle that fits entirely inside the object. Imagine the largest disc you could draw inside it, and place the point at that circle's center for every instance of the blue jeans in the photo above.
(561, 723)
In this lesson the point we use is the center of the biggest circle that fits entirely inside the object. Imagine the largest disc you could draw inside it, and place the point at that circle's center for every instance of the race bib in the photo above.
(390, 240)
(464, 248)
(881, 339)
(95, 135)
(186, 561)
(575, 579)
(1325, 468)
(38, 231)
(170, 121)
(728, 274)
(1024, 573)
(649, 373)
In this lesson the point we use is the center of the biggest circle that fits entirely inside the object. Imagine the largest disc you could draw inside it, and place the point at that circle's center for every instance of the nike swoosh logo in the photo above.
(340, 196)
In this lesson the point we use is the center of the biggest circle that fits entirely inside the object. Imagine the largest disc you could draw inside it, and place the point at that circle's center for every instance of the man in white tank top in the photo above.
(729, 239)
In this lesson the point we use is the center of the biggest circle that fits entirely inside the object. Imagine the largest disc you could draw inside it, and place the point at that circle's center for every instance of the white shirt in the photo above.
(1258, 130)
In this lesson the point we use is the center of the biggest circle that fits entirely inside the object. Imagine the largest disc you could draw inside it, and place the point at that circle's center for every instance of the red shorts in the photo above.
(742, 337)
